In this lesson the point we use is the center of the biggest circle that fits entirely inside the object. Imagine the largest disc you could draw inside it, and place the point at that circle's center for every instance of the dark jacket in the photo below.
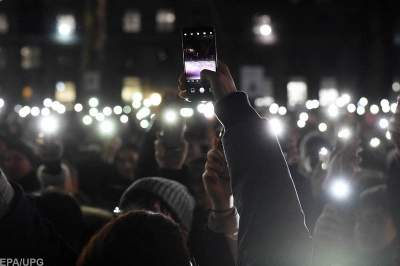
(25, 234)
(272, 229)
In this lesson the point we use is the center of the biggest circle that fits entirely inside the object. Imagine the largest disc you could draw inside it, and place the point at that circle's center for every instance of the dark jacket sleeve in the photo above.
(272, 230)
(25, 234)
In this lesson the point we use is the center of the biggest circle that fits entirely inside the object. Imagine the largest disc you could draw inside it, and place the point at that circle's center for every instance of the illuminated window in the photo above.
(296, 92)
(65, 91)
(30, 57)
(328, 92)
(165, 20)
(3, 23)
(131, 86)
(132, 21)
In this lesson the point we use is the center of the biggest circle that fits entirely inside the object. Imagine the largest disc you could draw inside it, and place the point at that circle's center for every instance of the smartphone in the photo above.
(199, 52)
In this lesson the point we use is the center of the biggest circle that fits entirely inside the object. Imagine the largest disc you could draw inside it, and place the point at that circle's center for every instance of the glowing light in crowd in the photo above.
(282, 110)
(275, 126)
(147, 102)
(328, 96)
(60, 108)
(124, 119)
(155, 99)
(142, 113)
(93, 111)
(344, 133)
(35, 111)
(312, 104)
(65, 26)
(93, 102)
(351, 108)
(49, 125)
(396, 86)
(385, 102)
(363, 101)
(375, 142)
(186, 112)
(301, 123)
(117, 210)
(388, 135)
(107, 127)
(343, 100)
(24, 111)
(303, 116)
(144, 124)
(127, 109)
(265, 30)
(107, 111)
(100, 117)
(340, 189)
(323, 151)
(208, 110)
(273, 108)
(117, 110)
(17, 108)
(78, 107)
(386, 108)
(47, 102)
(170, 116)
(136, 105)
(2, 102)
(393, 107)
(360, 110)
(322, 127)
(333, 111)
(45, 111)
(87, 120)
(374, 109)
(137, 96)
(383, 123)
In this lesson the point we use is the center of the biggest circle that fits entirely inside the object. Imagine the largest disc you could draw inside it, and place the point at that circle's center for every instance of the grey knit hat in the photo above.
(172, 193)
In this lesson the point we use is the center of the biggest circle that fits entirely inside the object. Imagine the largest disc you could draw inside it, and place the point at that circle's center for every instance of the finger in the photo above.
(223, 68)
(209, 176)
(213, 167)
(209, 76)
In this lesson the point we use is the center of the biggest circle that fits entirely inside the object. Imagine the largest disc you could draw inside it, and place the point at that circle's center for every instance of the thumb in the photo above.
(209, 76)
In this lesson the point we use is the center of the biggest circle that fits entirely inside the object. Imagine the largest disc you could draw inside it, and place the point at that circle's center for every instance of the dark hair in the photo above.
(137, 238)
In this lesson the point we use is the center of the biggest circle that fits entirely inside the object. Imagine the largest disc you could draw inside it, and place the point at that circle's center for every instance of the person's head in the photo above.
(160, 195)
(374, 227)
(310, 147)
(137, 238)
(19, 160)
(126, 159)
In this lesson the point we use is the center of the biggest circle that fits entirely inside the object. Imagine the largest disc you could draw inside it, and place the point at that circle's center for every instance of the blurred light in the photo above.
(275, 126)
(24, 111)
(296, 93)
(147, 102)
(142, 113)
(61, 108)
(54, 105)
(282, 110)
(47, 102)
(360, 110)
(107, 111)
(396, 86)
(117, 210)
(351, 108)
(386, 109)
(273, 108)
(49, 125)
(35, 111)
(107, 127)
(144, 124)
(363, 101)
(393, 107)
(136, 105)
(78, 107)
(117, 110)
(87, 120)
(208, 110)
(155, 99)
(375, 142)
(333, 111)
(385, 102)
(263, 101)
(127, 109)
(93, 102)
(137, 96)
(303, 116)
(323, 151)
(186, 112)
(340, 189)
(262, 29)
(93, 111)
(66, 26)
(374, 109)
(344, 133)
(301, 123)
(2, 102)
(170, 116)
(100, 117)
(388, 135)
(124, 119)
(328, 96)
(265, 30)
(322, 127)
(343, 100)
(309, 104)
(45, 111)
(383, 123)
(17, 108)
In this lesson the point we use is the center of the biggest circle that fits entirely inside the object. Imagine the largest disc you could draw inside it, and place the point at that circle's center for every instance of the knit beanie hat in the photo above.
(47, 178)
(173, 194)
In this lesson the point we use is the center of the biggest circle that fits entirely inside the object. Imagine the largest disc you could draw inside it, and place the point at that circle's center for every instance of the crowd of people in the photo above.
(197, 197)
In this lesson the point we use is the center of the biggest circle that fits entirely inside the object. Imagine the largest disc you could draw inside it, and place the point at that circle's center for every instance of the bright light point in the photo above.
(282, 110)
(208, 110)
(78, 107)
(45, 111)
(65, 25)
(309, 104)
(393, 107)
(343, 100)
(170, 116)
(100, 117)
(24, 111)
(48, 125)
(383, 123)
(2, 102)
(265, 30)
(333, 111)
(35, 111)
(301, 123)
(351, 108)
(323, 151)
(93, 102)
(386, 108)
(142, 113)
(124, 119)
(363, 101)
(137, 96)
(375, 142)
(388, 135)
(274, 108)
(396, 86)
(61, 109)
(117, 110)
(186, 112)
(136, 105)
(385, 102)
(107, 127)
(47, 102)
(340, 189)
(303, 116)
(17, 108)
(155, 99)
(107, 111)
(374, 109)
(360, 110)
(117, 210)
(127, 109)
(93, 111)
(147, 102)
(87, 120)
(275, 125)
(322, 127)
(144, 124)
(344, 133)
